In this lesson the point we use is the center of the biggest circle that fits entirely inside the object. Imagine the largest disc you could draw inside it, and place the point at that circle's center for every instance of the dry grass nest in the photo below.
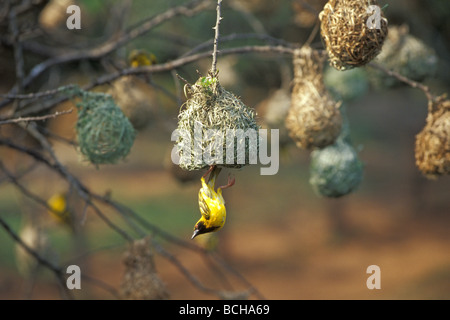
(216, 112)
(348, 39)
(432, 150)
(140, 281)
(314, 120)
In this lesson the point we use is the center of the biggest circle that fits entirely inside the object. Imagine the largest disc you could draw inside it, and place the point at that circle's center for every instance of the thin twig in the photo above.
(240, 36)
(106, 48)
(18, 50)
(41, 94)
(404, 79)
(191, 277)
(39, 118)
(216, 39)
(159, 68)
(59, 274)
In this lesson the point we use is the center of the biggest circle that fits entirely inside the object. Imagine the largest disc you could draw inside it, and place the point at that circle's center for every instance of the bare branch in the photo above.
(216, 39)
(404, 79)
(39, 118)
(42, 261)
(113, 44)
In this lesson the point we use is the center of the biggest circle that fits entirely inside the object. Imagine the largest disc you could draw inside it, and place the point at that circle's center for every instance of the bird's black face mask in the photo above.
(200, 228)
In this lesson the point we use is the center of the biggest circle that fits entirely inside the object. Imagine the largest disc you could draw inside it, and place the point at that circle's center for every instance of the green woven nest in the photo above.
(335, 171)
(405, 54)
(104, 133)
(211, 107)
(346, 85)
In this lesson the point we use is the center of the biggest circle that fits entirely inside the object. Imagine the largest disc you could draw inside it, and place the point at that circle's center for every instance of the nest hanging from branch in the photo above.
(136, 99)
(335, 170)
(432, 150)
(314, 119)
(350, 33)
(104, 133)
(141, 281)
(274, 110)
(405, 54)
(214, 122)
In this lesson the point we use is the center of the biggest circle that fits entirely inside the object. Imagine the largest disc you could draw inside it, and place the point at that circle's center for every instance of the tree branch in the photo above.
(39, 118)
(216, 40)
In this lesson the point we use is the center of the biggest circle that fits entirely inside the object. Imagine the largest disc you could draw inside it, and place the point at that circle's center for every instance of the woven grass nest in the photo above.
(274, 110)
(140, 280)
(348, 39)
(136, 99)
(104, 133)
(314, 120)
(405, 54)
(336, 170)
(432, 150)
(211, 107)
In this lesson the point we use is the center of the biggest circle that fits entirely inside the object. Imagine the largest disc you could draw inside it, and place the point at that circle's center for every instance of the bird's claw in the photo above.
(231, 181)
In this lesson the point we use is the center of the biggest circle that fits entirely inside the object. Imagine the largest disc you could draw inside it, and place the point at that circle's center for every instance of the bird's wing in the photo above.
(204, 209)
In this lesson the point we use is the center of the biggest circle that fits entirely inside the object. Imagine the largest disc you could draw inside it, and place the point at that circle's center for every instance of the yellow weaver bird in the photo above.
(211, 203)
(59, 209)
(138, 58)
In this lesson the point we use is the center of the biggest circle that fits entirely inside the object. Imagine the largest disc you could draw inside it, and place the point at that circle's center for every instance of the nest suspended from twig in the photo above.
(136, 99)
(432, 150)
(314, 119)
(351, 34)
(274, 110)
(104, 133)
(140, 281)
(349, 85)
(405, 54)
(215, 128)
(336, 170)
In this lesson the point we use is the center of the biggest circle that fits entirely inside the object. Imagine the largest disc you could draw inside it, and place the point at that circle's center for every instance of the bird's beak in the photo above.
(196, 231)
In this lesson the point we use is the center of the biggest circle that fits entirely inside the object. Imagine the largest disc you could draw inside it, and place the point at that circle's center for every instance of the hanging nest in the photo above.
(305, 12)
(36, 238)
(274, 111)
(406, 55)
(208, 115)
(336, 170)
(313, 120)
(432, 149)
(136, 99)
(348, 39)
(348, 85)
(140, 281)
(104, 133)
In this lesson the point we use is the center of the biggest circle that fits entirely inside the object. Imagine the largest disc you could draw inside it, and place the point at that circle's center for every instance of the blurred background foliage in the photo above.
(287, 241)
